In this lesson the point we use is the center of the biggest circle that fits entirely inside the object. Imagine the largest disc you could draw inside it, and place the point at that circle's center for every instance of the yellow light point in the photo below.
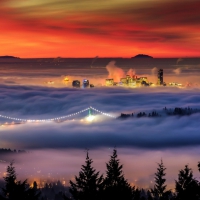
(90, 118)
(66, 79)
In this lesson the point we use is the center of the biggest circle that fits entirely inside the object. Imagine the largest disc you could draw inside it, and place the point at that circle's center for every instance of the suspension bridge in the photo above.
(90, 116)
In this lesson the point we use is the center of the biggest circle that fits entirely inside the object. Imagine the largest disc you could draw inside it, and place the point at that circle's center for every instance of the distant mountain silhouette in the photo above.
(9, 57)
(142, 56)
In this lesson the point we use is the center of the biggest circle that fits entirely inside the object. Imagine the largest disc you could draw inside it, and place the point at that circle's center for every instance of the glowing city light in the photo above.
(90, 118)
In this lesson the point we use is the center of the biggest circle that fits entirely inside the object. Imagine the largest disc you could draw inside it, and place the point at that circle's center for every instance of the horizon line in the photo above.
(121, 57)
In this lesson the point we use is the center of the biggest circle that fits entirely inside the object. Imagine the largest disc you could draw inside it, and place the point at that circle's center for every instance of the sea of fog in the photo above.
(57, 150)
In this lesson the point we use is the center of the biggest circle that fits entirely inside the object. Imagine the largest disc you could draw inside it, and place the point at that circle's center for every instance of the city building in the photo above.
(130, 81)
(160, 77)
(49, 82)
(175, 84)
(123, 81)
(86, 83)
(76, 83)
(109, 82)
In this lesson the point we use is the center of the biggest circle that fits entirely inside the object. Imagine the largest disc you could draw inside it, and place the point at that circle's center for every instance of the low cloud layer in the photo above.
(143, 133)
(137, 133)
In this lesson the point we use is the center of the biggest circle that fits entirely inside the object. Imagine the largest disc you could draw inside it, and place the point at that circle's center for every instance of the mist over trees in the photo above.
(89, 184)
(177, 111)
(14, 189)
(114, 185)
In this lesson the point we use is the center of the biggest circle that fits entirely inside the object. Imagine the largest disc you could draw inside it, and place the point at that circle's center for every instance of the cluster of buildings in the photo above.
(134, 81)
(85, 84)
(161, 82)
(129, 81)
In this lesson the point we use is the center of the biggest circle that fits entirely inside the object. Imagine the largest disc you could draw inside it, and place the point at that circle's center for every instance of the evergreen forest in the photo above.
(89, 184)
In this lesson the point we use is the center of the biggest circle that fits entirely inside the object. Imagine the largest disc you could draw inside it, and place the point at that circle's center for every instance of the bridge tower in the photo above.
(90, 112)
(90, 117)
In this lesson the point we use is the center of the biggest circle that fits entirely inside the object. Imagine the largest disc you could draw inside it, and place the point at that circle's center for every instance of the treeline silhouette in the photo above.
(54, 191)
(181, 111)
(3, 151)
(89, 184)
(177, 111)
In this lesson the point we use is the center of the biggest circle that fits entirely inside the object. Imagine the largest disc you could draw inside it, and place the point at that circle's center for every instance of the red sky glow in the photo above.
(107, 28)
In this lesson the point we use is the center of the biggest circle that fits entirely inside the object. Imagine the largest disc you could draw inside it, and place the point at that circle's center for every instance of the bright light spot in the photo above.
(90, 118)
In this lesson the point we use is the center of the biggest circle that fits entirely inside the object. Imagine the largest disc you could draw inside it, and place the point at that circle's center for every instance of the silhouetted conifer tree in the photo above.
(149, 195)
(198, 166)
(159, 191)
(116, 186)
(88, 185)
(137, 194)
(33, 192)
(186, 186)
(15, 190)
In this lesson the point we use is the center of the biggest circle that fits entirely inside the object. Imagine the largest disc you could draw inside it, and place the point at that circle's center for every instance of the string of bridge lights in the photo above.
(106, 114)
(56, 118)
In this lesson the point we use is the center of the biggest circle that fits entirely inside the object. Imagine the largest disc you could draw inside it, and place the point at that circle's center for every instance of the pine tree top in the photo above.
(185, 177)
(187, 187)
(114, 173)
(159, 190)
(87, 183)
(11, 174)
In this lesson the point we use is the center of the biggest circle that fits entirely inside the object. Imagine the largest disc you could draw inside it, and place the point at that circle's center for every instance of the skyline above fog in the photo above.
(38, 72)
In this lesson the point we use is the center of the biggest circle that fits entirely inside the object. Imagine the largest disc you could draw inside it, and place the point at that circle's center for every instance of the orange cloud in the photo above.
(161, 29)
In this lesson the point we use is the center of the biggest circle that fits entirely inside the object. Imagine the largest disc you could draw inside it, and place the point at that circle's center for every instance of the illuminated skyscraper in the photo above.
(160, 77)
(86, 83)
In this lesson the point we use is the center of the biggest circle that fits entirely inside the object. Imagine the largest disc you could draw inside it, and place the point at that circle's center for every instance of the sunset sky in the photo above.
(105, 28)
